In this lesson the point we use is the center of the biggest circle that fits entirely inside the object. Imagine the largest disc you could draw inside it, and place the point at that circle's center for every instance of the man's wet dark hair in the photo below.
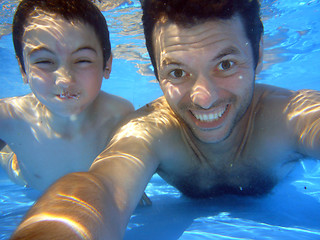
(72, 10)
(187, 13)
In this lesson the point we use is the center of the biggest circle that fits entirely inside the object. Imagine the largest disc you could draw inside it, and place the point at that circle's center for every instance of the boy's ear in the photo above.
(23, 74)
(107, 70)
(260, 61)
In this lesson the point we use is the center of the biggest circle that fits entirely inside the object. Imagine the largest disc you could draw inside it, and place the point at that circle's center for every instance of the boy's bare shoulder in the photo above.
(114, 105)
(16, 111)
(18, 107)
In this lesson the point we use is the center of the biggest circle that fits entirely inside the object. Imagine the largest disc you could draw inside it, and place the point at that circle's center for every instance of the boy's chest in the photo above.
(43, 160)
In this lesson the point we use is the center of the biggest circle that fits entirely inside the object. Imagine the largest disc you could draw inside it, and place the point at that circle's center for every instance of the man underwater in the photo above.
(213, 132)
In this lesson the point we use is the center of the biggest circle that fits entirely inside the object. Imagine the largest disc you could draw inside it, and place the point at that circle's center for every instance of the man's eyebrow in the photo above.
(170, 61)
(227, 51)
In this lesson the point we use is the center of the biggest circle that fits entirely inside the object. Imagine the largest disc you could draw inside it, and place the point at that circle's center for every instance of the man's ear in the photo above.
(107, 70)
(260, 60)
(23, 73)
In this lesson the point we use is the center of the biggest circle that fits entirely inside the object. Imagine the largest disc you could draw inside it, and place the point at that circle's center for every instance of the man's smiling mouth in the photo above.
(212, 116)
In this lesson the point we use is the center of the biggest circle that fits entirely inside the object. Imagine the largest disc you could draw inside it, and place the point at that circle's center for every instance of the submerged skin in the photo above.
(67, 120)
(214, 132)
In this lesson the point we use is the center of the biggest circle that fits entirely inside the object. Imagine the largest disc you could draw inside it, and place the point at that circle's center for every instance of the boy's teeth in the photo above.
(68, 95)
(209, 117)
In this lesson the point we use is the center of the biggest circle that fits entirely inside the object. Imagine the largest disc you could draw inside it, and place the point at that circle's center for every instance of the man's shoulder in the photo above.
(269, 107)
(291, 116)
(277, 97)
(151, 121)
(268, 98)
(283, 110)
(158, 112)
(269, 92)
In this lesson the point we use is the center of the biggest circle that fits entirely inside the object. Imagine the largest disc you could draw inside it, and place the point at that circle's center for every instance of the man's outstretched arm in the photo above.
(93, 205)
(98, 204)
(73, 208)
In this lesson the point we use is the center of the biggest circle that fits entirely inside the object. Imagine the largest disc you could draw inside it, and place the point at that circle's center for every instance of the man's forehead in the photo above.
(186, 29)
(170, 35)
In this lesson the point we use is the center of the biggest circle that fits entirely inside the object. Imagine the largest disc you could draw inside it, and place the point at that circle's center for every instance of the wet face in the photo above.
(207, 74)
(64, 63)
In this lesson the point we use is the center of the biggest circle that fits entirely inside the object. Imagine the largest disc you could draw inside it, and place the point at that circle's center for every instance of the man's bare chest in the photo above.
(255, 172)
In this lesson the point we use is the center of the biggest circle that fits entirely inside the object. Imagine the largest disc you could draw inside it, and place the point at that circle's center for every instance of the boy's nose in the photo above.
(64, 78)
(204, 92)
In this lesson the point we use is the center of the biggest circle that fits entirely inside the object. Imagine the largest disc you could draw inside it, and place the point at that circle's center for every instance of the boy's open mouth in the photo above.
(68, 95)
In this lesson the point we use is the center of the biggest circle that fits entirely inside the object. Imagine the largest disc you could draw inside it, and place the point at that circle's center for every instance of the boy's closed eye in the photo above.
(38, 62)
(85, 54)
(83, 61)
(47, 64)
(42, 58)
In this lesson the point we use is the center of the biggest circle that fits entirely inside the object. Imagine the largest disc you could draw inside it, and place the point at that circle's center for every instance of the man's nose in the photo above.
(204, 92)
(64, 78)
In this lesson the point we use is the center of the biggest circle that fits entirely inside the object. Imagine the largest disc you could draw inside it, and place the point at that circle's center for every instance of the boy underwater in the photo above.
(64, 51)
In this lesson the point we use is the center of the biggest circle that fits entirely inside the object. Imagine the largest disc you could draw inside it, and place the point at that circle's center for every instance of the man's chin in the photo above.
(211, 136)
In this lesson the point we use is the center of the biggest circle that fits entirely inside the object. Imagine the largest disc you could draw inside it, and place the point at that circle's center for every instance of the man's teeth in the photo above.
(209, 117)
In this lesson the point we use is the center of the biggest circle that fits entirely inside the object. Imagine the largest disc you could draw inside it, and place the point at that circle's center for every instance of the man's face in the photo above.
(207, 74)
(64, 63)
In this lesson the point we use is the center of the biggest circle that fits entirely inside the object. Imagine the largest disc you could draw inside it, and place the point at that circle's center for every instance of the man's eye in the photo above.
(177, 73)
(225, 65)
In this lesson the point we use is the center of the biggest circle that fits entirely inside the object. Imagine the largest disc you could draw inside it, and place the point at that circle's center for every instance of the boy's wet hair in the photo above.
(72, 10)
(187, 13)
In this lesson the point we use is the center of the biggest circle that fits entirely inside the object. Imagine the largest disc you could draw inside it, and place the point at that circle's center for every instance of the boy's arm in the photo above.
(97, 204)
(8, 118)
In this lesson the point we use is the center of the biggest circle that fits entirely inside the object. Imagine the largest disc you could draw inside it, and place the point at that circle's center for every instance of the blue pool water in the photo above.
(291, 60)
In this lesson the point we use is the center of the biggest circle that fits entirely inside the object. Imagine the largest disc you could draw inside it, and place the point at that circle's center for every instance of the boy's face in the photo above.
(64, 63)
(207, 74)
